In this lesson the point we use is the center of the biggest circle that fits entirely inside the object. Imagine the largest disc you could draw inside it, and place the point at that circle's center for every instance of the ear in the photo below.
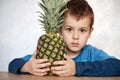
(60, 31)
(91, 30)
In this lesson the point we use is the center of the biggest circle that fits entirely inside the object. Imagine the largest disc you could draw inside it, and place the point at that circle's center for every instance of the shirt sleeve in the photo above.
(98, 54)
(17, 63)
(107, 67)
(101, 55)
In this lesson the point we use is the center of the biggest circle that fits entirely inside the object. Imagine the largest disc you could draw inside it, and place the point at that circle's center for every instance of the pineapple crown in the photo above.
(52, 17)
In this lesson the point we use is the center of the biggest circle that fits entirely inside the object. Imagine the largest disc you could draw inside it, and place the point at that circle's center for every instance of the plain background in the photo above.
(20, 29)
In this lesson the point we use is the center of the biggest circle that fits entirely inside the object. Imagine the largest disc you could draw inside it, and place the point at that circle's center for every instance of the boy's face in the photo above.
(76, 33)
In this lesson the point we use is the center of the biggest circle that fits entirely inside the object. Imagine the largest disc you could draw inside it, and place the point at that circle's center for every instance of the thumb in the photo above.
(67, 57)
(34, 54)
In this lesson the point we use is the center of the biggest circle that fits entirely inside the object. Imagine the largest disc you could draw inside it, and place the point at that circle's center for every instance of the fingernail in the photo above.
(48, 69)
(54, 62)
(46, 59)
(52, 68)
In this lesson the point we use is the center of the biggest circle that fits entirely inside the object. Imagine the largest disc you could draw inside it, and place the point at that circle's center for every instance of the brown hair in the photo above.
(80, 9)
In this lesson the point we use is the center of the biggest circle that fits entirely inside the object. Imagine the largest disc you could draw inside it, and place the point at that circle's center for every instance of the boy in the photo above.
(81, 59)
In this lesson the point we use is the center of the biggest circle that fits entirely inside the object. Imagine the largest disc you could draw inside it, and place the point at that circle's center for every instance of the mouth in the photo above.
(75, 44)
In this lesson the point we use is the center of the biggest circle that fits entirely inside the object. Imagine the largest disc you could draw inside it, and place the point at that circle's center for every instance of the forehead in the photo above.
(74, 21)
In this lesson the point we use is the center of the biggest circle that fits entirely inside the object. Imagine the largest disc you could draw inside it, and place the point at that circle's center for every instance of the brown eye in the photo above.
(69, 29)
(82, 30)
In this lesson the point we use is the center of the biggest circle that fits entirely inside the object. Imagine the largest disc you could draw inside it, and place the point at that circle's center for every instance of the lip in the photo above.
(75, 44)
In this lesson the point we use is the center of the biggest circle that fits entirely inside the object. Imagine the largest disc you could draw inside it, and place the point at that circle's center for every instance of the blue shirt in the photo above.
(90, 53)
(90, 62)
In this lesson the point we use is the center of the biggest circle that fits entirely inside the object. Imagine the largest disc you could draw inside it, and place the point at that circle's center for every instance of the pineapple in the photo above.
(51, 45)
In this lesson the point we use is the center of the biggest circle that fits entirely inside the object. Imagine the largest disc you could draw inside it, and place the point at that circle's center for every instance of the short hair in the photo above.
(80, 9)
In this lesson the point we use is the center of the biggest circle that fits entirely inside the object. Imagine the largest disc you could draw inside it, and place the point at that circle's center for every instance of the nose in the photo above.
(76, 35)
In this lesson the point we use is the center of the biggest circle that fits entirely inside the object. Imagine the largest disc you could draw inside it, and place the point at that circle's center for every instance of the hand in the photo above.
(35, 66)
(66, 68)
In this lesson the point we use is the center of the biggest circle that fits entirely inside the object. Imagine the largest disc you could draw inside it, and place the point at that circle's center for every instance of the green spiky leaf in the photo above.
(52, 18)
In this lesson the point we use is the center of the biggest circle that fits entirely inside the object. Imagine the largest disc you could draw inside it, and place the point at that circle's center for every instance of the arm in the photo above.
(17, 63)
(29, 64)
(107, 67)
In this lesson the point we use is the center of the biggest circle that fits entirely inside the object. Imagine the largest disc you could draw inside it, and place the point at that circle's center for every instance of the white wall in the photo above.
(20, 29)
(106, 34)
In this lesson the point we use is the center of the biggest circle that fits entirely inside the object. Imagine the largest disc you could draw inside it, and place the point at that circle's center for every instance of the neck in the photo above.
(72, 54)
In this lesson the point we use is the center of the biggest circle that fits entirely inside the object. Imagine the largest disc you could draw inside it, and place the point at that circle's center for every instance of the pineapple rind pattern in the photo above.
(51, 51)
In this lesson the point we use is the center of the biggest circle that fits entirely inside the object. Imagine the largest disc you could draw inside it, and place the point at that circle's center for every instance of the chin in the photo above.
(73, 50)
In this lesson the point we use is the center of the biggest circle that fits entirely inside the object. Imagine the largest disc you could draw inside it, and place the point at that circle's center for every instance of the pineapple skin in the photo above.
(52, 47)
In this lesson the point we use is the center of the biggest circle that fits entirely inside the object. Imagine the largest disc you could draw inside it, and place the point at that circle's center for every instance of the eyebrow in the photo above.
(85, 27)
(73, 27)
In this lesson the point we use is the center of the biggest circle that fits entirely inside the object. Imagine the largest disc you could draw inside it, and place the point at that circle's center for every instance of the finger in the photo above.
(67, 57)
(58, 68)
(34, 55)
(43, 70)
(60, 73)
(64, 74)
(59, 63)
(40, 74)
(39, 61)
(43, 65)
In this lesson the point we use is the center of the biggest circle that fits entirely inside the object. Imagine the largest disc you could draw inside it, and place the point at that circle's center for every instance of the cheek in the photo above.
(64, 34)
(84, 39)
(67, 38)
